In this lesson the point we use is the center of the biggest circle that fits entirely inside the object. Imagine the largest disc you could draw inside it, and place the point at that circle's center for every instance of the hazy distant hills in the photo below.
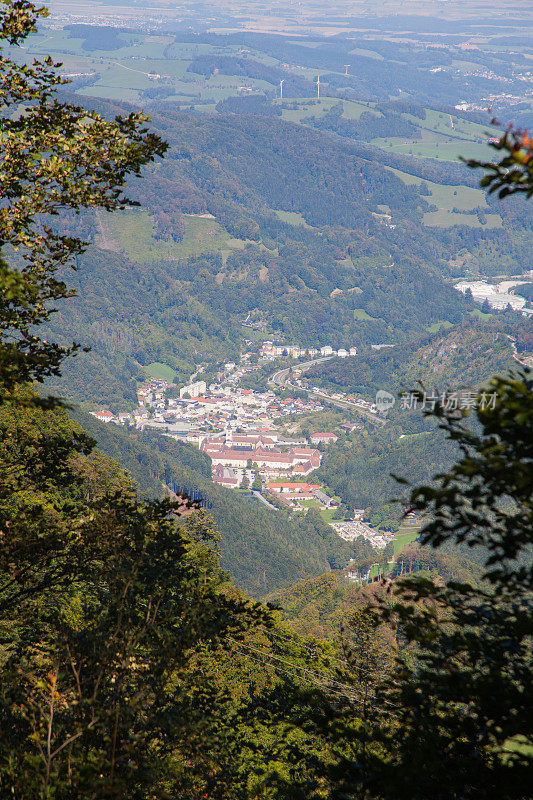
(248, 214)
(343, 219)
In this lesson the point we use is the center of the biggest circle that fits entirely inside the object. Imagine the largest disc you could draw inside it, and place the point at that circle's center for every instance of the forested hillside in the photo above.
(322, 606)
(361, 465)
(132, 315)
(313, 235)
(462, 356)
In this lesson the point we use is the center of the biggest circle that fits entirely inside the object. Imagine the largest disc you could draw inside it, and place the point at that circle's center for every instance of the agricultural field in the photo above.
(437, 326)
(444, 137)
(451, 125)
(435, 145)
(127, 72)
(360, 313)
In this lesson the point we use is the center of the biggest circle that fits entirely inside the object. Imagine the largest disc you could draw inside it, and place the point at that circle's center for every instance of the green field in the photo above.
(133, 230)
(445, 219)
(327, 515)
(309, 503)
(360, 313)
(125, 73)
(311, 107)
(478, 313)
(444, 123)
(406, 535)
(367, 54)
(160, 371)
(437, 146)
(444, 137)
(450, 200)
(464, 198)
(292, 218)
(437, 326)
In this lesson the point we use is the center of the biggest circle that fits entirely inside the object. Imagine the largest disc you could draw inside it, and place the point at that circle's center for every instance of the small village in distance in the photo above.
(239, 430)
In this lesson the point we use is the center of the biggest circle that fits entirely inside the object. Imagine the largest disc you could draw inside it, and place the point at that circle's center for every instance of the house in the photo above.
(304, 469)
(326, 351)
(270, 460)
(225, 477)
(322, 498)
(242, 442)
(342, 353)
(325, 436)
(103, 416)
(353, 351)
(289, 487)
(300, 491)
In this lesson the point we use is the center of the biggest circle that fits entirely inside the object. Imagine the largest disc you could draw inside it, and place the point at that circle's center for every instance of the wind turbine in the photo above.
(346, 68)
(281, 89)
(318, 87)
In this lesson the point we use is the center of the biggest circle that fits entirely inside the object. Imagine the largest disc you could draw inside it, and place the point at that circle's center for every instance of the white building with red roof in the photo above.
(324, 436)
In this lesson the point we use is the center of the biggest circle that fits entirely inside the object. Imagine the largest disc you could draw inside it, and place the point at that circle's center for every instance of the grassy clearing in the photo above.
(252, 335)
(202, 108)
(451, 125)
(327, 515)
(358, 51)
(450, 200)
(311, 107)
(464, 198)
(447, 144)
(407, 438)
(445, 219)
(437, 326)
(406, 535)
(360, 313)
(478, 313)
(353, 110)
(111, 93)
(447, 150)
(292, 218)
(134, 232)
(160, 371)
(315, 108)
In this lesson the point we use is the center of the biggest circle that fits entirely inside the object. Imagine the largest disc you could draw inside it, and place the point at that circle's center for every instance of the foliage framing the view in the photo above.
(54, 156)
(513, 174)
